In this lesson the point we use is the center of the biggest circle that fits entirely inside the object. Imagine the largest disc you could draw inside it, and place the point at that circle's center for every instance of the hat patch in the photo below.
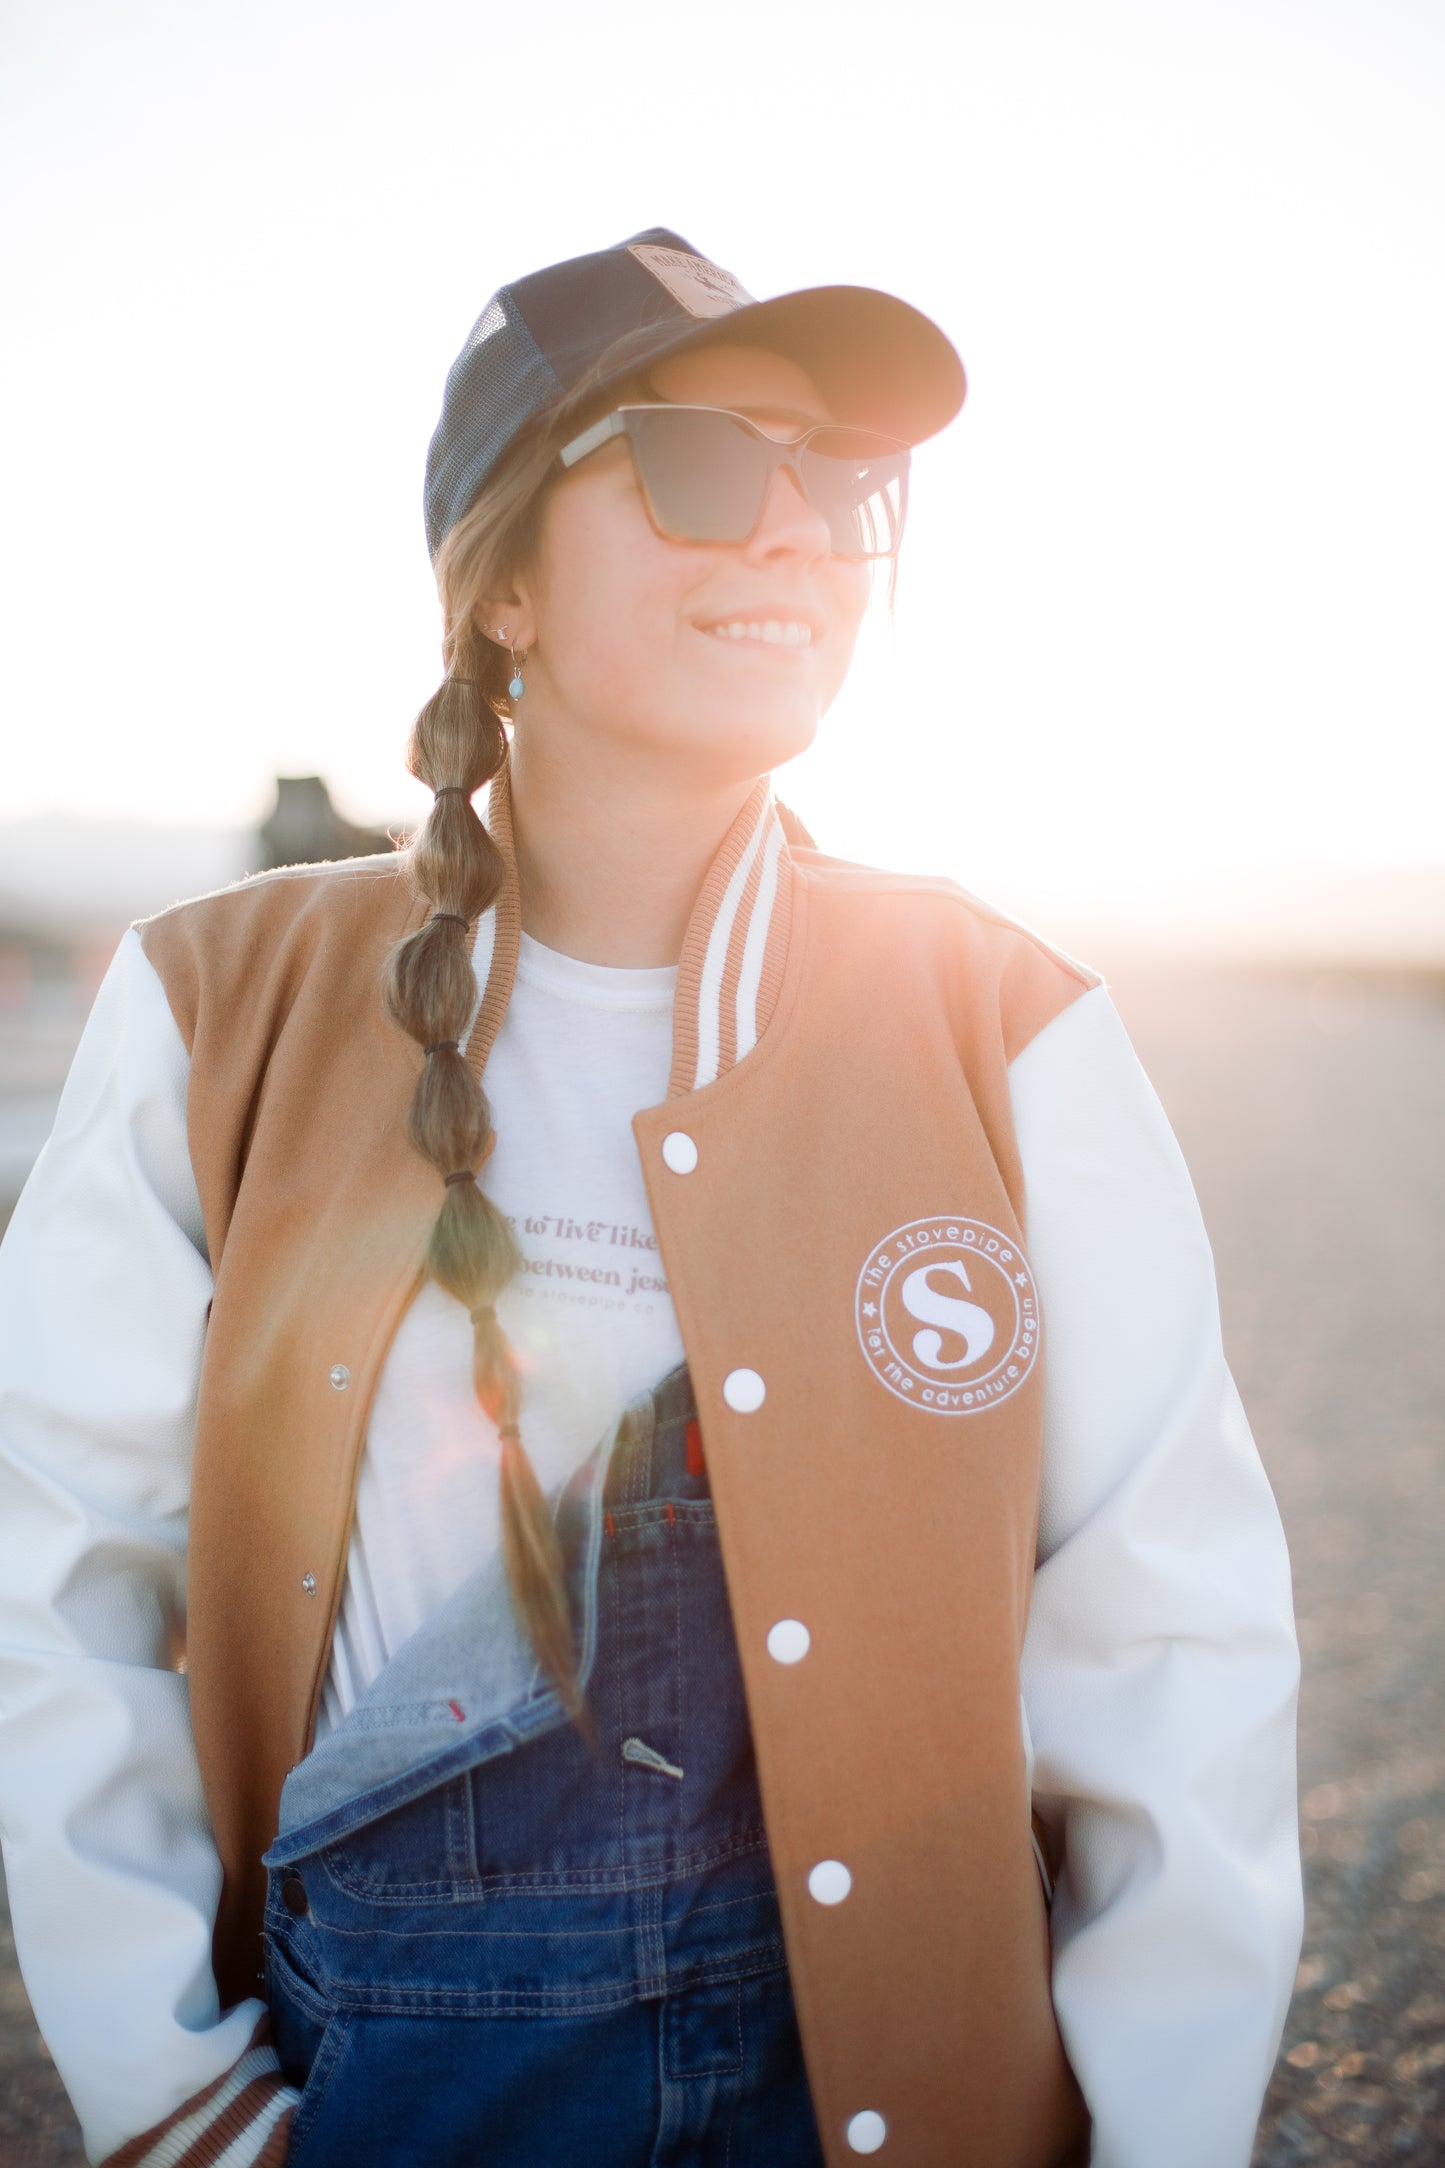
(700, 287)
(947, 1315)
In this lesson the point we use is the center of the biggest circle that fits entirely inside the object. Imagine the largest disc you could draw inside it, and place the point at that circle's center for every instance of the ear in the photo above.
(508, 620)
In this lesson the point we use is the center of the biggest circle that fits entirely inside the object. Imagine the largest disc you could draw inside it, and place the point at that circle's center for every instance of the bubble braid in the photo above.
(457, 744)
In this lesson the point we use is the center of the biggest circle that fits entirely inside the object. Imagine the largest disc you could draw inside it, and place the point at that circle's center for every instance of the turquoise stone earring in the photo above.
(518, 683)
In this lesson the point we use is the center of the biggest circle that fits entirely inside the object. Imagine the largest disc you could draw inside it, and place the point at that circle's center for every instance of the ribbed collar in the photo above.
(731, 966)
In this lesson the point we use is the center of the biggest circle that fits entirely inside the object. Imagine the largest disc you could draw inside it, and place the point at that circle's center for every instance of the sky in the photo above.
(1171, 594)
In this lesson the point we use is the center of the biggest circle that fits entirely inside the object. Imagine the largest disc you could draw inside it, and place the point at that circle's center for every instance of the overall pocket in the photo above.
(419, 1854)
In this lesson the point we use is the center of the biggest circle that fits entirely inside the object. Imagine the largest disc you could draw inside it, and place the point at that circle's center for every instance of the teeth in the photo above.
(772, 633)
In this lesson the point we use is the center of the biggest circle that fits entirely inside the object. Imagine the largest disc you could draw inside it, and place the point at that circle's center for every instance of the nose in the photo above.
(789, 527)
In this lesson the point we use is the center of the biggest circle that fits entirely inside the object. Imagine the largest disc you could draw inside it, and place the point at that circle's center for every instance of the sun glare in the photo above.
(1169, 598)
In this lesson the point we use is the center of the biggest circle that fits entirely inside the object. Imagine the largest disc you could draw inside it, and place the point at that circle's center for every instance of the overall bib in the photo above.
(494, 1943)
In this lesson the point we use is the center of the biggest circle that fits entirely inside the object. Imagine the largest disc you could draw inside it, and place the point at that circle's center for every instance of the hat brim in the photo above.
(878, 362)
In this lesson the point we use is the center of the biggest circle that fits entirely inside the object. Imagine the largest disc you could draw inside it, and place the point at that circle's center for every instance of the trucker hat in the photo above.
(879, 363)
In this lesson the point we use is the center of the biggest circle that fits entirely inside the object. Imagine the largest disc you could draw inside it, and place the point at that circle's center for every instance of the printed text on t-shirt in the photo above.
(559, 1228)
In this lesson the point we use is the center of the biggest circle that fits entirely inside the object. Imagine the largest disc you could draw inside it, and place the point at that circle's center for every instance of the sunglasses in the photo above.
(705, 474)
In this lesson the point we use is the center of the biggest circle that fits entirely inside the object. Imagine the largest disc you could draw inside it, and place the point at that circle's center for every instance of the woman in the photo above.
(682, 1664)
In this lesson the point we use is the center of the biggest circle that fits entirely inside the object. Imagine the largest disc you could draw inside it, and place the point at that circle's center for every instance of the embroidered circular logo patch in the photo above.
(948, 1316)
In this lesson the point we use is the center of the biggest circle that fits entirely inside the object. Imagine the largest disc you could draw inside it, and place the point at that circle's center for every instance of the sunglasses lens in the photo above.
(704, 474)
(859, 482)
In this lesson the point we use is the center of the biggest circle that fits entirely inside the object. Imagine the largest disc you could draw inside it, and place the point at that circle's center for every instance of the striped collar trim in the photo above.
(731, 967)
(732, 959)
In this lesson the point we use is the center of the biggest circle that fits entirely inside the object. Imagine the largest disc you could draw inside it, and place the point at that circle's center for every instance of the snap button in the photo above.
(293, 1895)
(789, 1641)
(744, 1391)
(679, 1152)
(866, 2132)
(308, 1584)
(829, 1882)
(340, 1376)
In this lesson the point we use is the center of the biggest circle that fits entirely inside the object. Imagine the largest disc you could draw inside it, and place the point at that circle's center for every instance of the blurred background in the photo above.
(1165, 675)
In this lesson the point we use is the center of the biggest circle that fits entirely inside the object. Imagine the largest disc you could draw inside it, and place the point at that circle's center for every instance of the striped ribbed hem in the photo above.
(241, 2120)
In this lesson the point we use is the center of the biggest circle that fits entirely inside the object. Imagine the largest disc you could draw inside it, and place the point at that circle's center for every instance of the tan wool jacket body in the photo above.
(841, 1049)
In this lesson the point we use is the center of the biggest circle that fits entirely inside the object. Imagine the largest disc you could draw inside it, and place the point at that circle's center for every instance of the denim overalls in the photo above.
(493, 1944)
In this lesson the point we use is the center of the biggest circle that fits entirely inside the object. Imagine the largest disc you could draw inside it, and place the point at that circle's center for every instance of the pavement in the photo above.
(1310, 1111)
(1309, 1105)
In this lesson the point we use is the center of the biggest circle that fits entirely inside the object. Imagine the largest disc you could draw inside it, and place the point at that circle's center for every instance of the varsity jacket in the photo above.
(951, 1320)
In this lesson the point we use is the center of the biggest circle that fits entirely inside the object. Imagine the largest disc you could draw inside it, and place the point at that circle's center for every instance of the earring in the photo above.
(518, 683)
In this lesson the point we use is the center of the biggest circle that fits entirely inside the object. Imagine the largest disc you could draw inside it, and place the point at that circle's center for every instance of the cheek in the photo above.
(849, 587)
(609, 595)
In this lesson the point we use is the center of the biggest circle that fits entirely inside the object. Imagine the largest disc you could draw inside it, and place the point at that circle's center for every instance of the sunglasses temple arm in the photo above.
(591, 440)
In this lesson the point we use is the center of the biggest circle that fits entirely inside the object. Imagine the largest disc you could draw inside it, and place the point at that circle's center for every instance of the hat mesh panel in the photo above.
(498, 382)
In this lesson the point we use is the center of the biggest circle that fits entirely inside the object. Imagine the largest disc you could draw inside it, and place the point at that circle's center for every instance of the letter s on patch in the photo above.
(969, 1320)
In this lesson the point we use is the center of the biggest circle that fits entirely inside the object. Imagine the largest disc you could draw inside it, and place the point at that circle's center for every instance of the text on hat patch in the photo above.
(700, 287)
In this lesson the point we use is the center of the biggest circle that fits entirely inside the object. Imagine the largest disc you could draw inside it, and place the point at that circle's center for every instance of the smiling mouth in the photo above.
(763, 632)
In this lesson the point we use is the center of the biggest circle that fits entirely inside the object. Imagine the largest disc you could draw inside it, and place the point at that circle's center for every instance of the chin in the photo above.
(787, 745)
(763, 741)
(720, 743)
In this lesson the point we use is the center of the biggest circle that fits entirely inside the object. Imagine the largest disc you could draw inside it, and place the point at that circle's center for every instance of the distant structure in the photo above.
(304, 827)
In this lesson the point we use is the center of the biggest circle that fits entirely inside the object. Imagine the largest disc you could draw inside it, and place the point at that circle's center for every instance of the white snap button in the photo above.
(829, 1882)
(789, 1641)
(340, 1376)
(744, 1391)
(866, 2132)
(679, 1152)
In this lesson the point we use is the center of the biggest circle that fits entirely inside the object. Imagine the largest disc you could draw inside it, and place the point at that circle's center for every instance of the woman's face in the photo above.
(632, 637)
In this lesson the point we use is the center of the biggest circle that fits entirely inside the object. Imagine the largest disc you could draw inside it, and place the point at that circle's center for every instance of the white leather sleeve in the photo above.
(113, 1875)
(1160, 1667)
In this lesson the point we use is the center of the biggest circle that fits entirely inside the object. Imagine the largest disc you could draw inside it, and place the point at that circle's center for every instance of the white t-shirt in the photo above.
(582, 1048)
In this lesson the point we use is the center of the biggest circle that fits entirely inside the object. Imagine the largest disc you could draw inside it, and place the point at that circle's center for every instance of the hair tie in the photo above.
(509, 1430)
(443, 1046)
(463, 1174)
(483, 1310)
(443, 788)
(449, 914)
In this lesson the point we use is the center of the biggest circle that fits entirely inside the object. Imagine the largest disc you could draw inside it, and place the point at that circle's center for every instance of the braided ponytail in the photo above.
(457, 744)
